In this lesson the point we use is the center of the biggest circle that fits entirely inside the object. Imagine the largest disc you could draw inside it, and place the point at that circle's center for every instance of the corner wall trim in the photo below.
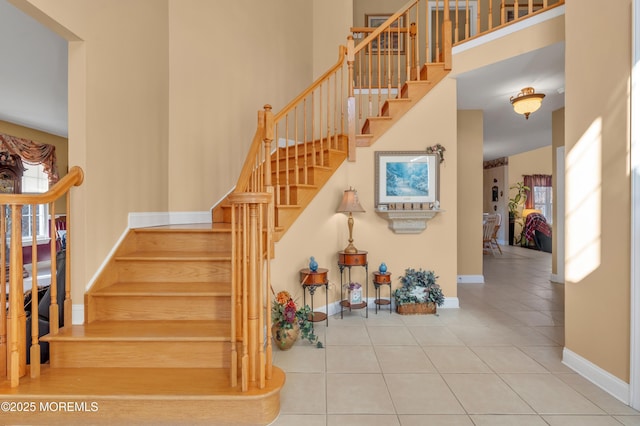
(596, 375)
(555, 278)
(470, 279)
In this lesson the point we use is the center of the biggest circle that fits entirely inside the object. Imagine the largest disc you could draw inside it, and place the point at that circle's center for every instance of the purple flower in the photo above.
(290, 312)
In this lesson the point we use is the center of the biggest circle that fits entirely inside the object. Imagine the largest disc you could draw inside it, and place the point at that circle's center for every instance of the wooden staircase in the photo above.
(157, 326)
(392, 109)
(158, 333)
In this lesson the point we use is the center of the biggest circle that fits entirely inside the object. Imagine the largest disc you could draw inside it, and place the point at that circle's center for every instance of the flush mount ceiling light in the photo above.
(527, 101)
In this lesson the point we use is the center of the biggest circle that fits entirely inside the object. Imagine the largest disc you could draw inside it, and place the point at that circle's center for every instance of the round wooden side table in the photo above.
(380, 279)
(311, 280)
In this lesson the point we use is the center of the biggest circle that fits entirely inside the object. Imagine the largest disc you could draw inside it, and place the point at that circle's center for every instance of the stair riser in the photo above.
(173, 271)
(297, 195)
(117, 308)
(325, 159)
(140, 354)
(315, 176)
(212, 242)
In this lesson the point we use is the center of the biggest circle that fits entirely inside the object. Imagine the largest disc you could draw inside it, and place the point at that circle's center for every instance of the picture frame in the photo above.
(390, 42)
(406, 178)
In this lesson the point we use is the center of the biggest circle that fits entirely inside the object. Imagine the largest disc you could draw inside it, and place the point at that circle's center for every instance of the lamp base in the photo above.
(350, 249)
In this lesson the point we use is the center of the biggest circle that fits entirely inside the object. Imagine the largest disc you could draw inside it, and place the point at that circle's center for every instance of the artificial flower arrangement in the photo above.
(285, 315)
(355, 292)
(437, 149)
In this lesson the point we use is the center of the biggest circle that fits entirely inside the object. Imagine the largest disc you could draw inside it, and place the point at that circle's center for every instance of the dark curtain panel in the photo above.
(532, 181)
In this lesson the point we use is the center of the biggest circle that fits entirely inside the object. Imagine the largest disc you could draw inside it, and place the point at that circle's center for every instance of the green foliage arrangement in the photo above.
(519, 199)
(418, 286)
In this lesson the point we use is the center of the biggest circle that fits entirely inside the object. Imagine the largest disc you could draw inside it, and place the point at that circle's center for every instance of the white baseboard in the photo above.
(555, 278)
(470, 279)
(77, 314)
(450, 303)
(148, 219)
(596, 375)
(334, 308)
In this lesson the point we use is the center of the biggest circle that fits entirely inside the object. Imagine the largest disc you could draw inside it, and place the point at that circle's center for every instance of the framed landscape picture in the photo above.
(406, 177)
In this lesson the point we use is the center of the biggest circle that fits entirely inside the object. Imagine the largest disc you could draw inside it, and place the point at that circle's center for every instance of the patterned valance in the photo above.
(32, 153)
(498, 162)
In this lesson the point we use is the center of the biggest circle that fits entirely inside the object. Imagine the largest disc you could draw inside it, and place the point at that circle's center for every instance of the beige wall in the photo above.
(47, 138)
(332, 20)
(118, 117)
(321, 232)
(537, 161)
(226, 61)
(470, 195)
(597, 276)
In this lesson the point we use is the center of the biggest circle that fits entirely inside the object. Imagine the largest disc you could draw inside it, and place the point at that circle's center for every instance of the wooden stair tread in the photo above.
(165, 255)
(172, 289)
(146, 330)
(128, 382)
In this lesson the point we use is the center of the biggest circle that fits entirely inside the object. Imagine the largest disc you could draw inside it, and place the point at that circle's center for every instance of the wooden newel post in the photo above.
(253, 283)
(17, 356)
(351, 100)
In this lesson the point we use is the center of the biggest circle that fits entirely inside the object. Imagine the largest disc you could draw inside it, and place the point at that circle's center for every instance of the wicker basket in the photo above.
(416, 308)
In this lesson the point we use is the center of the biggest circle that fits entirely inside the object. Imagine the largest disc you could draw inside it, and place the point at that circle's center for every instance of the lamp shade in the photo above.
(350, 203)
(527, 101)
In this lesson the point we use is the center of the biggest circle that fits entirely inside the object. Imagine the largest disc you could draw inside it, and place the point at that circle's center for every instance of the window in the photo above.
(35, 181)
(543, 201)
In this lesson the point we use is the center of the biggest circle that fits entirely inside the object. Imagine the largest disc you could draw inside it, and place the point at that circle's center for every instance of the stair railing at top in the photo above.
(13, 333)
(372, 68)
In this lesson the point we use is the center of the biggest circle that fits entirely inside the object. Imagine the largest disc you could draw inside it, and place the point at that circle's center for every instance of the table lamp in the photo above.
(350, 204)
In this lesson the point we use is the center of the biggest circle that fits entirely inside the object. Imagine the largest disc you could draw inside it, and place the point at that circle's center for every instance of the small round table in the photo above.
(311, 280)
(380, 279)
(346, 261)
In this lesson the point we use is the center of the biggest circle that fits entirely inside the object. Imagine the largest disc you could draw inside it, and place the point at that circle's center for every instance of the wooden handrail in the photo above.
(73, 178)
(342, 51)
(254, 149)
(13, 333)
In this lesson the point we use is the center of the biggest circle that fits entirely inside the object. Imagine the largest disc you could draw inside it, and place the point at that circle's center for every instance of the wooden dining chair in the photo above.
(494, 236)
(488, 225)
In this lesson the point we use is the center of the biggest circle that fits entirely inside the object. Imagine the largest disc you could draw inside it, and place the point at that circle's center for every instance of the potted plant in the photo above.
(288, 322)
(514, 206)
(419, 294)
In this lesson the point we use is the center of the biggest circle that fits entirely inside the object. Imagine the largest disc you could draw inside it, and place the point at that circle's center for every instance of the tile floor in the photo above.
(494, 361)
